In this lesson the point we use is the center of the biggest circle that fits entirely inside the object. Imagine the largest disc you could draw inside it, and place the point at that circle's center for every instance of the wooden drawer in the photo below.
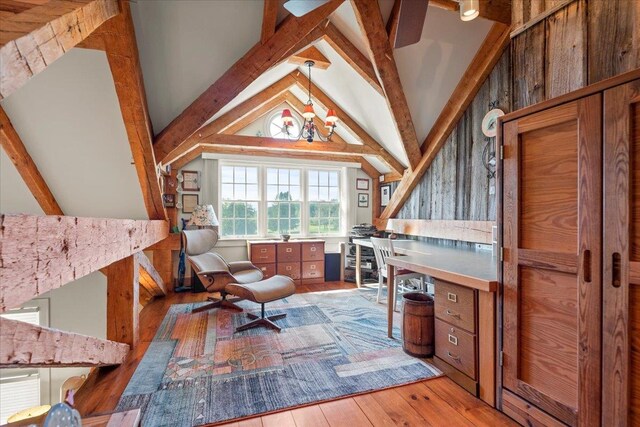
(268, 270)
(456, 304)
(313, 251)
(456, 347)
(263, 254)
(290, 269)
(288, 252)
(313, 269)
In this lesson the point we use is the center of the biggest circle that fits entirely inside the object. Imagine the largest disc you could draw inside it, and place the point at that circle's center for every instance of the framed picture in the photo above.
(189, 202)
(190, 181)
(385, 194)
(169, 200)
(363, 200)
(362, 184)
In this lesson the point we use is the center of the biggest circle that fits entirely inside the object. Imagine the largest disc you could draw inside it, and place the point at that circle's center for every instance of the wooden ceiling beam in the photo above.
(32, 40)
(369, 169)
(358, 61)
(248, 68)
(406, 22)
(26, 345)
(370, 21)
(477, 72)
(327, 103)
(41, 253)
(310, 39)
(253, 116)
(149, 277)
(121, 48)
(231, 117)
(310, 54)
(269, 19)
(247, 151)
(17, 152)
(267, 144)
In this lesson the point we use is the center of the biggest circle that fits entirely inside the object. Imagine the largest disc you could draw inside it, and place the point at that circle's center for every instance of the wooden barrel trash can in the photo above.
(418, 324)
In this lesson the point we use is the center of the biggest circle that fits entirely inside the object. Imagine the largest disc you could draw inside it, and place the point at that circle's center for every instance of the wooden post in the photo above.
(163, 262)
(122, 301)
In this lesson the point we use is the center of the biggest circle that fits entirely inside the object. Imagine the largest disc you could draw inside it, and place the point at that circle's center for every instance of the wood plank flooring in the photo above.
(436, 402)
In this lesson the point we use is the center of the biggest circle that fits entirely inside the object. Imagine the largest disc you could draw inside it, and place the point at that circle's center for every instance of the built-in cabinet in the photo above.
(571, 258)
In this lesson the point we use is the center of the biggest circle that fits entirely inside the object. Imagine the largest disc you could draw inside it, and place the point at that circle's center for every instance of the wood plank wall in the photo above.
(582, 43)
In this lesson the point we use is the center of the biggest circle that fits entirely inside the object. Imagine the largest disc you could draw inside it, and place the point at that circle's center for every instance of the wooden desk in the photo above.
(464, 278)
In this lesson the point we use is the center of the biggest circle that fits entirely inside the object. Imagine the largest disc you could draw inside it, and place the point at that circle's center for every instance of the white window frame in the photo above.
(276, 115)
(304, 193)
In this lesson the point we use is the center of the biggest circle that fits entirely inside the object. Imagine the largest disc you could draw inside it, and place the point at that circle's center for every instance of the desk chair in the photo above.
(383, 248)
(213, 270)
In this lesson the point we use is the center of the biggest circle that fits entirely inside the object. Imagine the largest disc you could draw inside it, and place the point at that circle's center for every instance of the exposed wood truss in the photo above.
(41, 253)
(406, 22)
(370, 20)
(33, 39)
(359, 62)
(23, 344)
(239, 76)
(236, 114)
(119, 41)
(487, 56)
(17, 152)
(327, 103)
(310, 54)
(123, 296)
(149, 277)
(269, 19)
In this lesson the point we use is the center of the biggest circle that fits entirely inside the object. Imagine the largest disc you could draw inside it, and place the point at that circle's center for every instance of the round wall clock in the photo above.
(490, 122)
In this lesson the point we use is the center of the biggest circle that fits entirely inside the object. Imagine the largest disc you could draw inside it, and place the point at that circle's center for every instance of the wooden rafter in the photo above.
(483, 62)
(310, 54)
(119, 40)
(369, 169)
(258, 60)
(370, 20)
(234, 115)
(406, 22)
(17, 152)
(261, 143)
(31, 40)
(359, 62)
(325, 102)
(316, 34)
(149, 277)
(254, 115)
(269, 19)
(41, 253)
(26, 345)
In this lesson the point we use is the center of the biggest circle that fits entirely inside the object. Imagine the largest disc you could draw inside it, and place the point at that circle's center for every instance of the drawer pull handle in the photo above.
(453, 339)
(288, 268)
(454, 357)
(289, 249)
(313, 267)
(263, 250)
(313, 249)
(616, 267)
(586, 266)
(452, 314)
(264, 257)
(452, 297)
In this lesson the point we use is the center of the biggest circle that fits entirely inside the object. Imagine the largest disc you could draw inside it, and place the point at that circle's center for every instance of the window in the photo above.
(240, 196)
(20, 388)
(271, 200)
(324, 202)
(276, 130)
(284, 213)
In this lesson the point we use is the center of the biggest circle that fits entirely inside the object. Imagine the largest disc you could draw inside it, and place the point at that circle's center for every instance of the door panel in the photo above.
(552, 260)
(621, 257)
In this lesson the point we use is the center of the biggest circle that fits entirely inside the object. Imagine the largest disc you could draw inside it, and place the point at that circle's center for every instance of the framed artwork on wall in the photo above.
(363, 200)
(385, 194)
(169, 200)
(362, 184)
(189, 202)
(190, 181)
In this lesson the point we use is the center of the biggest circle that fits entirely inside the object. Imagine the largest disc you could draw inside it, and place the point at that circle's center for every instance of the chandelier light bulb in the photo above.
(308, 113)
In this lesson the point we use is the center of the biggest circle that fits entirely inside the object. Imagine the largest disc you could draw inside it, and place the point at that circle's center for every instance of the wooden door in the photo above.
(621, 257)
(552, 264)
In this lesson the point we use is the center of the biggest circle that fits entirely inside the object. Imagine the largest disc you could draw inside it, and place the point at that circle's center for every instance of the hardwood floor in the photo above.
(437, 402)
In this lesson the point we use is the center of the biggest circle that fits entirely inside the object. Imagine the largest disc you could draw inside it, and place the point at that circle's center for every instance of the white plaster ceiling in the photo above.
(69, 120)
(186, 45)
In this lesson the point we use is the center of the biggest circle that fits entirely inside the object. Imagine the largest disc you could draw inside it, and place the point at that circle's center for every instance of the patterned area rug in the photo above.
(198, 371)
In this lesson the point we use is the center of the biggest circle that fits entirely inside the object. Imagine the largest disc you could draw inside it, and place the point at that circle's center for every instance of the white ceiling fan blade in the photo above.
(302, 7)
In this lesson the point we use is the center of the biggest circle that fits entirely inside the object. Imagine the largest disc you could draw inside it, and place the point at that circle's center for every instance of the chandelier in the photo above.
(309, 129)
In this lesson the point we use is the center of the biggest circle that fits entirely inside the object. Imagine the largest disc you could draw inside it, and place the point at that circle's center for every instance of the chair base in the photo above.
(219, 303)
(257, 321)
